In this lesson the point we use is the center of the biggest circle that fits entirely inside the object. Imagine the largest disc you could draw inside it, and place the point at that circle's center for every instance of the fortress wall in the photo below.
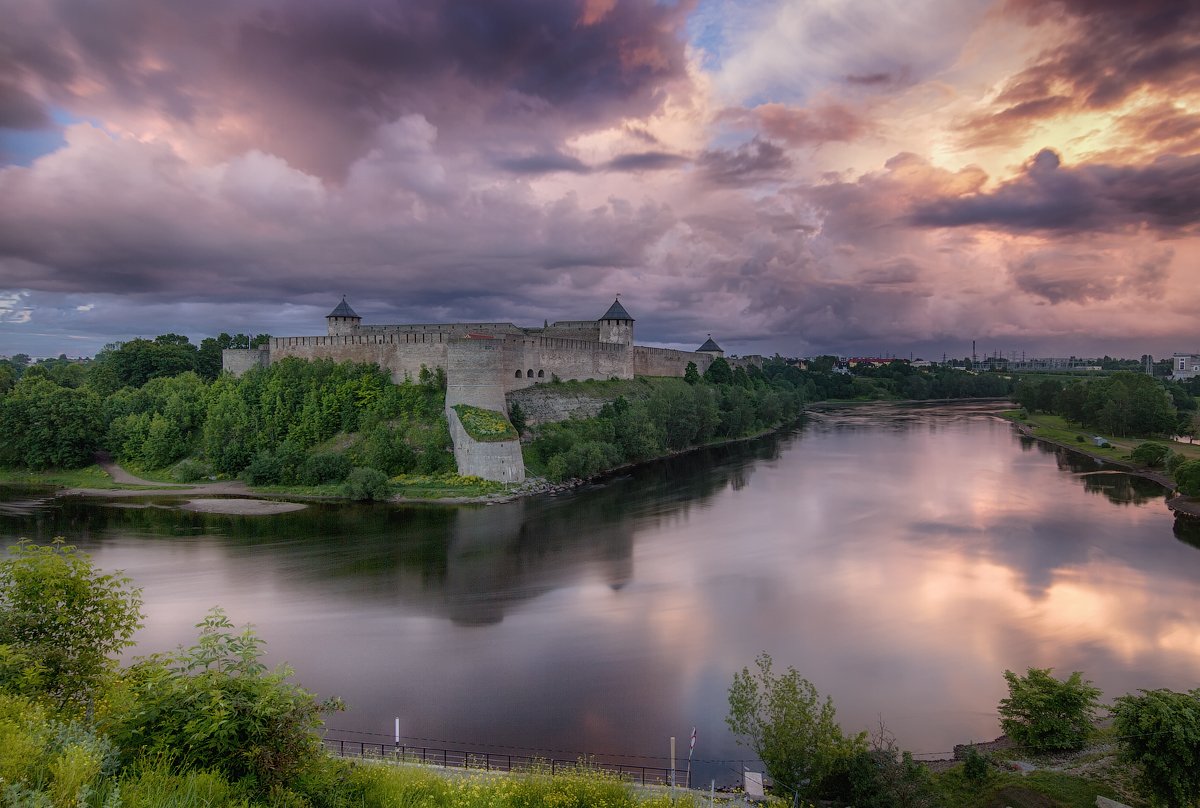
(238, 360)
(573, 330)
(449, 329)
(401, 354)
(666, 362)
(581, 359)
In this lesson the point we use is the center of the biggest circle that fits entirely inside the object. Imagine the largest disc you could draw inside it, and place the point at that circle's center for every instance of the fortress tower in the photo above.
(711, 348)
(616, 326)
(342, 321)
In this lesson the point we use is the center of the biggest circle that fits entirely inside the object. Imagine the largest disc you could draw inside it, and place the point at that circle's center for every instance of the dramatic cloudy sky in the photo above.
(801, 176)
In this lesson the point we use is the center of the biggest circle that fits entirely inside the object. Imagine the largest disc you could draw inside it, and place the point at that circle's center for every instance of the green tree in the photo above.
(719, 372)
(517, 416)
(217, 706)
(366, 484)
(1187, 478)
(1160, 732)
(1150, 454)
(47, 426)
(691, 373)
(794, 733)
(65, 616)
(1046, 714)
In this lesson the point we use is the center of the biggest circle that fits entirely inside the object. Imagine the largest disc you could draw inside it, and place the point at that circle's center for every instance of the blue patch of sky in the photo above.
(23, 146)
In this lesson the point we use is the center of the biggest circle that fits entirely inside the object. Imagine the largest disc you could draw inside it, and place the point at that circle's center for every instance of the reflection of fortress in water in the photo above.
(470, 564)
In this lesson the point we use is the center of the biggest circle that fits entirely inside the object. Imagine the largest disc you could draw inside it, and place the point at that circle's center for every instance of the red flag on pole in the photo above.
(692, 745)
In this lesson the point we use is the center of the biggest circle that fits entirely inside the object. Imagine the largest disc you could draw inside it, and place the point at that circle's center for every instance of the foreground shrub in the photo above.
(366, 485)
(794, 733)
(66, 659)
(1160, 732)
(216, 706)
(1048, 715)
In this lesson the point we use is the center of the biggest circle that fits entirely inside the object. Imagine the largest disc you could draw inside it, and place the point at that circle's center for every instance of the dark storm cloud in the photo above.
(1163, 195)
(309, 80)
(1062, 274)
(645, 161)
(749, 163)
(545, 163)
(553, 162)
(1111, 50)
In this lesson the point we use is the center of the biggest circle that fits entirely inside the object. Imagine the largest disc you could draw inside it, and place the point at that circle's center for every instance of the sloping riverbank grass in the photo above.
(87, 477)
(488, 426)
(405, 486)
(1056, 428)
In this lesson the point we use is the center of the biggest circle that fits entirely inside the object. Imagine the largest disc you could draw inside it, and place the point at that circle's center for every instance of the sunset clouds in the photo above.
(793, 177)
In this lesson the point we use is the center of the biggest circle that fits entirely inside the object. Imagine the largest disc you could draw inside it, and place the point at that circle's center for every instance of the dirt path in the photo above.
(119, 475)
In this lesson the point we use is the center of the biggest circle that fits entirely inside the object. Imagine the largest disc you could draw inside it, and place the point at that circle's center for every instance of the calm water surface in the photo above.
(899, 557)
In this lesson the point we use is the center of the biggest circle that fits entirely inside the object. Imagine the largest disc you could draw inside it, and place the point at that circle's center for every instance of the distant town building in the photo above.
(1185, 366)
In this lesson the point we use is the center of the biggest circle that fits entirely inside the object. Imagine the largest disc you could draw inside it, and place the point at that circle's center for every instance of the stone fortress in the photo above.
(485, 361)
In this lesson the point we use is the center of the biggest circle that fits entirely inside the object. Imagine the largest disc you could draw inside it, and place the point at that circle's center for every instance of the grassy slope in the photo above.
(87, 477)
(1056, 428)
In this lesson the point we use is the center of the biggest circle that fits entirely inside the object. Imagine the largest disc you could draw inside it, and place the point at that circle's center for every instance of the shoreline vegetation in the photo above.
(1053, 429)
(211, 725)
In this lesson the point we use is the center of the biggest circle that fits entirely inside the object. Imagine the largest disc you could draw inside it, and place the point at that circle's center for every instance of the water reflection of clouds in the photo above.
(900, 563)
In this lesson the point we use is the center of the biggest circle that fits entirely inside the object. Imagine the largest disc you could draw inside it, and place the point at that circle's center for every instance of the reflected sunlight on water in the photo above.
(900, 557)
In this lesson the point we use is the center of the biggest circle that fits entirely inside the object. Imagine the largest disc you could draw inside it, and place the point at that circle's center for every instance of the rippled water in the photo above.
(899, 557)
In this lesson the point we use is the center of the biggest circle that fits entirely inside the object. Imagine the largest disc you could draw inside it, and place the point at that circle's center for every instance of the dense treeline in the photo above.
(1122, 404)
(268, 425)
(897, 380)
(673, 415)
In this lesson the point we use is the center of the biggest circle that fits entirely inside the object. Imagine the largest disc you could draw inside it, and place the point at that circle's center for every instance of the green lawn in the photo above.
(1056, 428)
(87, 477)
(1039, 789)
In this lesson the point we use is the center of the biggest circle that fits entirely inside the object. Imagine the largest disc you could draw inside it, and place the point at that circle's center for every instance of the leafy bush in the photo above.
(975, 766)
(323, 467)
(265, 469)
(216, 706)
(1150, 454)
(1187, 478)
(881, 777)
(1048, 715)
(39, 585)
(1173, 462)
(794, 733)
(485, 425)
(189, 471)
(1160, 732)
(366, 484)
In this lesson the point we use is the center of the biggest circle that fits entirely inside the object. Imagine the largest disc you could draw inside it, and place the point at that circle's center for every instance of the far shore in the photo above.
(1181, 505)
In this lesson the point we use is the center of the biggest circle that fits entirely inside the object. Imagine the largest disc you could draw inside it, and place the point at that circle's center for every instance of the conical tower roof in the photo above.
(343, 310)
(616, 312)
(709, 345)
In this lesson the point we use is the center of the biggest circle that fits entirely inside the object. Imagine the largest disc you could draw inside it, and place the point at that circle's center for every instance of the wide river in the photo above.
(901, 558)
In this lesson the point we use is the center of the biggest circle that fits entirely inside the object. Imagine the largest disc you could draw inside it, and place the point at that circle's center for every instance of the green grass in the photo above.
(1019, 791)
(409, 486)
(86, 477)
(1056, 428)
(484, 425)
(441, 486)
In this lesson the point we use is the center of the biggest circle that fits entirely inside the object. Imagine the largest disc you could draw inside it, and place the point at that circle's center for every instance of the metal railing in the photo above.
(493, 762)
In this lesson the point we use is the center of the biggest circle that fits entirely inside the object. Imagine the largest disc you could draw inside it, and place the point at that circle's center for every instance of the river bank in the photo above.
(1180, 505)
